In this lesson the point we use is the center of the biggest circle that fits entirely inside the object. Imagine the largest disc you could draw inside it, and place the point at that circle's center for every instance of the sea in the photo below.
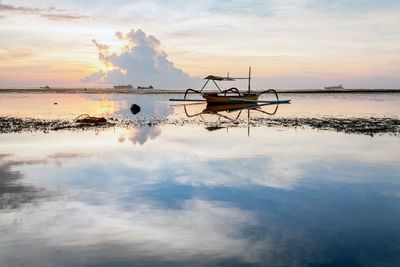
(213, 188)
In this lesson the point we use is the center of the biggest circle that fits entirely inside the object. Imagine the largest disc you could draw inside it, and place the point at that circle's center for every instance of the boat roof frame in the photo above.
(214, 78)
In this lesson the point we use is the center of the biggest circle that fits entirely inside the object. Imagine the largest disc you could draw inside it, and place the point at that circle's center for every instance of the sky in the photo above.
(173, 44)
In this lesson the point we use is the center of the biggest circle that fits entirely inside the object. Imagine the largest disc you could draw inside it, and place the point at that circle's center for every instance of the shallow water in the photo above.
(172, 195)
(69, 106)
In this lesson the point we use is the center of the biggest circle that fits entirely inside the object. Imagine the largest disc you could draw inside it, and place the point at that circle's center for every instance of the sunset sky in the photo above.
(288, 43)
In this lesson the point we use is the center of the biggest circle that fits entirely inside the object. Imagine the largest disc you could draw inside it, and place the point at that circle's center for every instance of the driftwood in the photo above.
(89, 120)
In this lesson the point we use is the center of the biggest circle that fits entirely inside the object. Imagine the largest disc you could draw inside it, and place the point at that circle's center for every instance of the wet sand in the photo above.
(364, 126)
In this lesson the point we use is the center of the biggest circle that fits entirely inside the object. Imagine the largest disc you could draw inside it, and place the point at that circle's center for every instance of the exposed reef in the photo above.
(366, 126)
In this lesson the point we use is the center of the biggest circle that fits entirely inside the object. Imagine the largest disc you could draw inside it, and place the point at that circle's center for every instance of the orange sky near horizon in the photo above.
(283, 42)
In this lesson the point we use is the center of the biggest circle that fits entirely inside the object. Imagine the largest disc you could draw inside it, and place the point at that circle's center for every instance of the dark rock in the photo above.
(135, 109)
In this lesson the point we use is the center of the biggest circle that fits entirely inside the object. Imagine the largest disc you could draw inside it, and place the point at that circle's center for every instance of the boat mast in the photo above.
(248, 89)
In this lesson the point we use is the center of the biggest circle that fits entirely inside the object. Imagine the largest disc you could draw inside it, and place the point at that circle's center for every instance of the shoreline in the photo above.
(170, 91)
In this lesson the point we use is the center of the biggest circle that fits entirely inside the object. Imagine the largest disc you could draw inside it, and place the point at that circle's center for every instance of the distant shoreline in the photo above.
(170, 91)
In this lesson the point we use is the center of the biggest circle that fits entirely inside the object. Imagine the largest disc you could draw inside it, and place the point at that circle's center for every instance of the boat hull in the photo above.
(223, 100)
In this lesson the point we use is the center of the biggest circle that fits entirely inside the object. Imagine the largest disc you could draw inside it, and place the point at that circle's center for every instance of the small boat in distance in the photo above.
(231, 95)
(145, 87)
(334, 87)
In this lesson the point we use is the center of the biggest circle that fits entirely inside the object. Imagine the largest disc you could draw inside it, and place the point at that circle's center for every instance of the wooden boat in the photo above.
(231, 95)
(214, 98)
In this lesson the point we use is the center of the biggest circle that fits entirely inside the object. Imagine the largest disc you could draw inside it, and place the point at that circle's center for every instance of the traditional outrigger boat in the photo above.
(231, 95)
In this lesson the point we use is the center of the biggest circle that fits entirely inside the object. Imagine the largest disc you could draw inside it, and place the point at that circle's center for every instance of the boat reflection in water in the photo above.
(229, 114)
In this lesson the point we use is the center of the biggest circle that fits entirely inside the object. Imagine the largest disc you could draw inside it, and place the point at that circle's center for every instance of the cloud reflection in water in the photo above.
(188, 198)
(140, 135)
(145, 232)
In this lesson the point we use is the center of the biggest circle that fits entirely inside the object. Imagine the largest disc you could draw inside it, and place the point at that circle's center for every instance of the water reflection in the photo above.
(144, 234)
(151, 106)
(13, 193)
(187, 196)
(69, 106)
(221, 110)
(140, 135)
(327, 105)
(118, 105)
(227, 114)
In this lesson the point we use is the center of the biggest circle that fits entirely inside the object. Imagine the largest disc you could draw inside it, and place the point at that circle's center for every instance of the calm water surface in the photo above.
(186, 196)
(69, 106)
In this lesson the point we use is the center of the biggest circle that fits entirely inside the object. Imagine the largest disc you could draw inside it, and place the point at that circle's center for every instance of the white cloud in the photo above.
(140, 62)
(51, 12)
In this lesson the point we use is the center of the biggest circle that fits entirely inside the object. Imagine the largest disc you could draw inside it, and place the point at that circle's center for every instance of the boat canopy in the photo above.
(220, 78)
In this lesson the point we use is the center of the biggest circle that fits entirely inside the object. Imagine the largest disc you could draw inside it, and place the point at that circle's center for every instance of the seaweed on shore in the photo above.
(366, 126)
(17, 125)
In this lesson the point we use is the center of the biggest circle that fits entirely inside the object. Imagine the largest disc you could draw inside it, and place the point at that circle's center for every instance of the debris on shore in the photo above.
(366, 126)
(87, 120)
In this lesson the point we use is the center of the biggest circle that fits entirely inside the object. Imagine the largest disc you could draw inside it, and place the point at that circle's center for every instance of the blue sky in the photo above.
(305, 43)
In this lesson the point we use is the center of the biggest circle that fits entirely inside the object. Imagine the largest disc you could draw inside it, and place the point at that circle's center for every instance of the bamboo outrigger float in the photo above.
(231, 95)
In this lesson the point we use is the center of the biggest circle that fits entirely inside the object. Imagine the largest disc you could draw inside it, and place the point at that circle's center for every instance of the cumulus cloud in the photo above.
(51, 13)
(140, 62)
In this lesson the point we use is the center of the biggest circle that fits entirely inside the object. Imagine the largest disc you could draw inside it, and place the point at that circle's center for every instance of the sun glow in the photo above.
(66, 106)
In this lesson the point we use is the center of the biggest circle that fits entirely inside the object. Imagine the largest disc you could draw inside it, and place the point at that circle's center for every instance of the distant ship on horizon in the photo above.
(334, 87)
(128, 86)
